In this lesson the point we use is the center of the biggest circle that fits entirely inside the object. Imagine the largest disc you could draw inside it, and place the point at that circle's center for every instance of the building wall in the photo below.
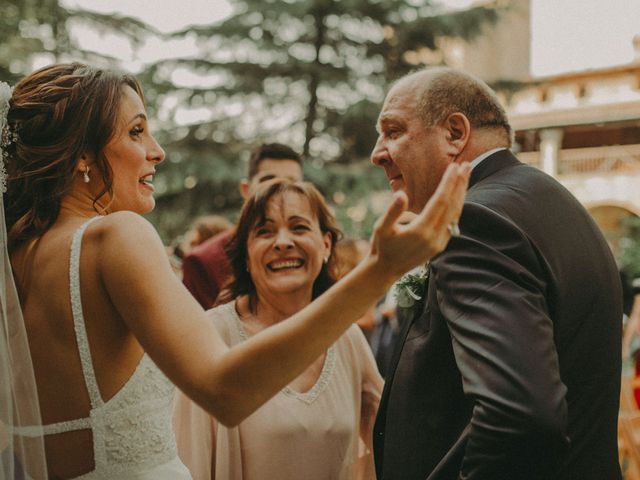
(503, 52)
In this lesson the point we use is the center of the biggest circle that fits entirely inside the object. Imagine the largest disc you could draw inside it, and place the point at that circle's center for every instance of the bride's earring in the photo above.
(85, 175)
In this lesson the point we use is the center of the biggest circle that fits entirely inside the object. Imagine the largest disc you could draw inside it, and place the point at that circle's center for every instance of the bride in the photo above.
(109, 326)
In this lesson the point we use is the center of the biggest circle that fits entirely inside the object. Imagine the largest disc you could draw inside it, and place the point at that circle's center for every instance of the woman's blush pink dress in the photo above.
(324, 433)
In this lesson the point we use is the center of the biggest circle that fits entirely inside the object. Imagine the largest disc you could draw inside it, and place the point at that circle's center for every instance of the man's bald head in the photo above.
(441, 91)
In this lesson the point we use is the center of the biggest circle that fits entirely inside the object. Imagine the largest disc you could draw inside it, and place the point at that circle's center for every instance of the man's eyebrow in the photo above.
(386, 118)
(268, 176)
(382, 121)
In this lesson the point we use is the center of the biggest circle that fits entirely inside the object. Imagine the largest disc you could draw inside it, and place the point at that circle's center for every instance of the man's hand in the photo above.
(398, 248)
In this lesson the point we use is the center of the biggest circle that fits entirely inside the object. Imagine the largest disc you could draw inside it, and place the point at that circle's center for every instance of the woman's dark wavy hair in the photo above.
(254, 213)
(58, 113)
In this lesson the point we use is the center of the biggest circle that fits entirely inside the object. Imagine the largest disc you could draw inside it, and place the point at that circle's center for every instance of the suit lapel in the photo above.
(391, 370)
(381, 418)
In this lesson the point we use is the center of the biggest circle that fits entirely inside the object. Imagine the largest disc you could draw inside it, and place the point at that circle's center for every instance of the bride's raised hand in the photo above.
(398, 248)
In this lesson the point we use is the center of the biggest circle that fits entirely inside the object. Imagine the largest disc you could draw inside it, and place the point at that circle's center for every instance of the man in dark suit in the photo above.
(206, 270)
(510, 367)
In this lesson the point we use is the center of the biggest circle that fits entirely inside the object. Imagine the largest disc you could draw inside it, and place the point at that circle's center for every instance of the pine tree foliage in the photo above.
(309, 73)
(303, 64)
(39, 32)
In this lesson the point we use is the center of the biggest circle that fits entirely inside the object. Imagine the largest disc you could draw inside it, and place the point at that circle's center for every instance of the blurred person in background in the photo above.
(631, 334)
(202, 228)
(206, 268)
(349, 252)
(205, 227)
(389, 318)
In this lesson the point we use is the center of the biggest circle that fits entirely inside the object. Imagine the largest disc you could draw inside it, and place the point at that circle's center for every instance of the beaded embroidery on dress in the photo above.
(132, 433)
(325, 375)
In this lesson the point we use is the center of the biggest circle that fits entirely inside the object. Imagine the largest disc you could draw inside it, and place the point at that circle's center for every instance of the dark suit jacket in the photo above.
(511, 369)
(206, 269)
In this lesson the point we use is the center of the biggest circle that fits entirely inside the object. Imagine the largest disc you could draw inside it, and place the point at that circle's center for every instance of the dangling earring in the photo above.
(85, 175)
(326, 260)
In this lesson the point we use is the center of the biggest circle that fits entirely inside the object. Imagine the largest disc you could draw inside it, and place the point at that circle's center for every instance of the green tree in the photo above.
(40, 32)
(310, 73)
(298, 66)
(630, 248)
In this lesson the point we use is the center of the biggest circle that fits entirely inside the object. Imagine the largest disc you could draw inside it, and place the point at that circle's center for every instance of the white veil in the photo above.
(21, 457)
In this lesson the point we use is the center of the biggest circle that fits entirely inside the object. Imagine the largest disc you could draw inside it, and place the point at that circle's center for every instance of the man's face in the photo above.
(413, 155)
(270, 168)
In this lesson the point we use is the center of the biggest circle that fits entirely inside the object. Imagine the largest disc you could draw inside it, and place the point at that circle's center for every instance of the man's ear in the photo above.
(459, 130)
(244, 188)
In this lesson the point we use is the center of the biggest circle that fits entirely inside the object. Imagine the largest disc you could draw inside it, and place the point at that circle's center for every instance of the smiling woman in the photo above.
(285, 237)
(132, 154)
(282, 257)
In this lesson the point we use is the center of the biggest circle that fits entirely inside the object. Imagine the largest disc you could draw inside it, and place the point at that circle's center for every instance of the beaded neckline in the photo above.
(309, 396)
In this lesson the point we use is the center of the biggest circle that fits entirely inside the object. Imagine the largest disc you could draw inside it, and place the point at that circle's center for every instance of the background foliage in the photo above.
(630, 248)
(309, 73)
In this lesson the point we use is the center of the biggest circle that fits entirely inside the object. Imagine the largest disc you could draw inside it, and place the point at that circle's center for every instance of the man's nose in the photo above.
(379, 154)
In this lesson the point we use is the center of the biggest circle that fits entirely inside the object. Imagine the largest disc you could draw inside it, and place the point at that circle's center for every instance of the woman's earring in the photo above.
(85, 175)
(326, 260)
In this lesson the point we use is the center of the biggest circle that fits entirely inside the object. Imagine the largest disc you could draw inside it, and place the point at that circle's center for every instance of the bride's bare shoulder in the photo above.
(126, 230)
(124, 223)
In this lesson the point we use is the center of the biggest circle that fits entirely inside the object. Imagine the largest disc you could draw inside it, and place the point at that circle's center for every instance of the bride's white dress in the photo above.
(132, 434)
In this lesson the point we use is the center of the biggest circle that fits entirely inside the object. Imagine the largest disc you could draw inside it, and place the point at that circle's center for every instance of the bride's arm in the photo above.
(232, 383)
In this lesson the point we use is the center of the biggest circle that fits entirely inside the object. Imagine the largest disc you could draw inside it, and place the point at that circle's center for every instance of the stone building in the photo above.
(581, 127)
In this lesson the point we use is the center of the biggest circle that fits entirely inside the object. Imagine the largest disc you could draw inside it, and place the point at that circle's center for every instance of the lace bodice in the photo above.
(132, 430)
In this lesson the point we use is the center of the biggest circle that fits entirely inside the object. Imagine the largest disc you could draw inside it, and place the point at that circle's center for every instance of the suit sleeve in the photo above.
(492, 291)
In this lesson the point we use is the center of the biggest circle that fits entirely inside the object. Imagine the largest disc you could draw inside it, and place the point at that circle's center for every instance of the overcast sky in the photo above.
(567, 35)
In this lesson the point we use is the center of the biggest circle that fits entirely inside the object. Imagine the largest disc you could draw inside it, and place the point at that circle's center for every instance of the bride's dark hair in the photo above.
(57, 114)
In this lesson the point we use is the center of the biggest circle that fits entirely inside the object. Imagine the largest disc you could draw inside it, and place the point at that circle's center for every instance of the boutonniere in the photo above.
(411, 288)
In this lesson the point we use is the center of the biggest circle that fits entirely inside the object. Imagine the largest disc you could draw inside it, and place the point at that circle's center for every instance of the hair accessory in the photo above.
(6, 137)
(85, 175)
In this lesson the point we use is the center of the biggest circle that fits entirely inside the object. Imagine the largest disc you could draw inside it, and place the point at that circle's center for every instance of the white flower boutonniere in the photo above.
(411, 288)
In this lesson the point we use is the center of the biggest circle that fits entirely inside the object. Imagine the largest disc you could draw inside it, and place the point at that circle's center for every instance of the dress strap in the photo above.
(52, 428)
(78, 317)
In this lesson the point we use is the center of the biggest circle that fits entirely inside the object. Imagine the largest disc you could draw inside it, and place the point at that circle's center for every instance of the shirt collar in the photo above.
(476, 161)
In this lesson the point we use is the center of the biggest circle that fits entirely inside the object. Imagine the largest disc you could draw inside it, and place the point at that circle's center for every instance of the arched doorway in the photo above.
(611, 220)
